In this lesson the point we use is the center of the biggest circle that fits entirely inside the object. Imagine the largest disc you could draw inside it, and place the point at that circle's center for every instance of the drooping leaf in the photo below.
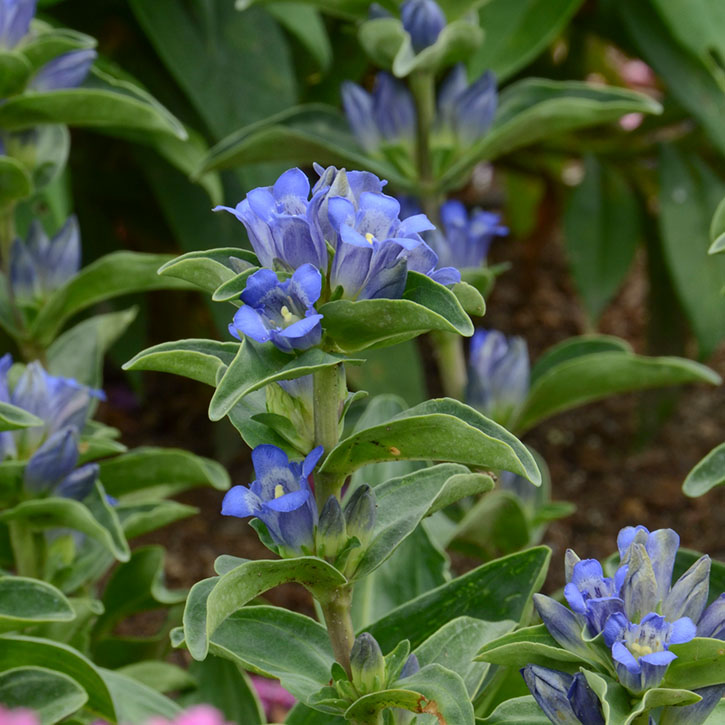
(516, 711)
(160, 676)
(209, 268)
(707, 474)
(25, 602)
(12, 417)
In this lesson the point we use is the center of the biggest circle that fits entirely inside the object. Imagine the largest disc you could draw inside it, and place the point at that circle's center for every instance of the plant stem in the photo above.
(327, 429)
(451, 363)
(336, 609)
(7, 236)
(22, 542)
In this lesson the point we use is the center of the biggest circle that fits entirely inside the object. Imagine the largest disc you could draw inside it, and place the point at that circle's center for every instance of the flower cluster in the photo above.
(386, 116)
(343, 239)
(40, 265)
(67, 70)
(51, 449)
(638, 613)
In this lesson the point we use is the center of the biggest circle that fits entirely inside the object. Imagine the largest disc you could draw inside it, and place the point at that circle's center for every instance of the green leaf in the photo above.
(225, 595)
(146, 467)
(591, 377)
(209, 268)
(18, 651)
(159, 676)
(350, 9)
(516, 32)
(15, 181)
(516, 711)
(115, 274)
(113, 105)
(576, 347)
(707, 474)
(443, 430)
(257, 365)
(601, 231)
(51, 513)
(470, 298)
(717, 230)
(12, 417)
(499, 589)
(615, 700)
(48, 43)
(304, 22)
(135, 702)
(136, 586)
(78, 353)
(138, 519)
(51, 695)
(689, 194)
(456, 644)
(25, 602)
(403, 502)
(14, 72)
(222, 684)
(231, 290)
(700, 663)
(533, 109)
(433, 690)
(196, 359)
(425, 306)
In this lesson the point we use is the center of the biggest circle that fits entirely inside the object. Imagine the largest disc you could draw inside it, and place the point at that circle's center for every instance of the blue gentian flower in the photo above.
(40, 265)
(640, 651)
(275, 218)
(424, 20)
(282, 312)
(498, 374)
(566, 699)
(281, 497)
(593, 595)
(60, 402)
(66, 71)
(385, 116)
(465, 112)
(15, 17)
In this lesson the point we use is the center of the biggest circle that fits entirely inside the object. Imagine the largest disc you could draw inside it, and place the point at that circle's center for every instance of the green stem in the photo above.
(22, 541)
(451, 363)
(327, 429)
(7, 236)
(423, 87)
(336, 610)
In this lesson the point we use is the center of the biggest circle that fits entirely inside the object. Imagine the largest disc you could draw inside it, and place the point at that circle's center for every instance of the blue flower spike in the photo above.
(424, 20)
(280, 497)
(282, 312)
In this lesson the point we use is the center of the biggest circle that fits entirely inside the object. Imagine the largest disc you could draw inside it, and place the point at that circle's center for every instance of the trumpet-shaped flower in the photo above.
(41, 265)
(282, 312)
(65, 71)
(465, 112)
(280, 497)
(592, 594)
(498, 374)
(641, 651)
(15, 17)
(384, 117)
(424, 20)
(275, 218)
(566, 699)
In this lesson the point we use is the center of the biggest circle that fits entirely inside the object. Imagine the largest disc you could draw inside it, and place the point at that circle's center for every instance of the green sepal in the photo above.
(15, 181)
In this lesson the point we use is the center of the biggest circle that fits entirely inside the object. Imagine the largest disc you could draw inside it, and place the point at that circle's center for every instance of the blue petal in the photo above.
(64, 256)
(288, 501)
(79, 483)
(306, 284)
(712, 622)
(350, 267)
(239, 501)
(302, 334)
(688, 596)
(341, 212)
(15, 17)
(66, 71)
(563, 625)
(262, 203)
(662, 548)
(584, 702)
(639, 590)
(311, 461)
(377, 214)
(615, 628)
(424, 20)
(258, 286)
(697, 713)
(415, 225)
(53, 461)
(268, 460)
(24, 276)
(627, 535)
(358, 106)
(296, 244)
(683, 630)
(248, 321)
(623, 656)
(550, 689)
(291, 191)
(446, 276)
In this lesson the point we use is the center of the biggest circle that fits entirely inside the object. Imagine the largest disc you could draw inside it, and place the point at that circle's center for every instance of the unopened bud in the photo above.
(331, 530)
(367, 664)
(360, 513)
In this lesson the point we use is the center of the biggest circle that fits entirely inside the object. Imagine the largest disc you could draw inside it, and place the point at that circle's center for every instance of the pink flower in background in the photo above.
(17, 717)
(197, 715)
(275, 699)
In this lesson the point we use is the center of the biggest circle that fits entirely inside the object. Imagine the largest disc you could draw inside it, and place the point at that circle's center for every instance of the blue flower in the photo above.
(465, 112)
(275, 218)
(15, 17)
(59, 402)
(281, 497)
(498, 374)
(566, 699)
(40, 265)
(593, 595)
(66, 71)
(282, 312)
(384, 117)
(640, 651)
(424, 20)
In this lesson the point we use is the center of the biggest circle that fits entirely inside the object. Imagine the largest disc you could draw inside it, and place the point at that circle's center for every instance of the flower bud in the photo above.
(331, 530)
(424, 20)
(367, 664)
(292, 400)
(360, 513)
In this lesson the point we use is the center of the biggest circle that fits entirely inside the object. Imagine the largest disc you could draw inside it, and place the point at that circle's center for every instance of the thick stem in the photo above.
(25, 554)
(327, 429)
(451, 363)
(336, 609)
